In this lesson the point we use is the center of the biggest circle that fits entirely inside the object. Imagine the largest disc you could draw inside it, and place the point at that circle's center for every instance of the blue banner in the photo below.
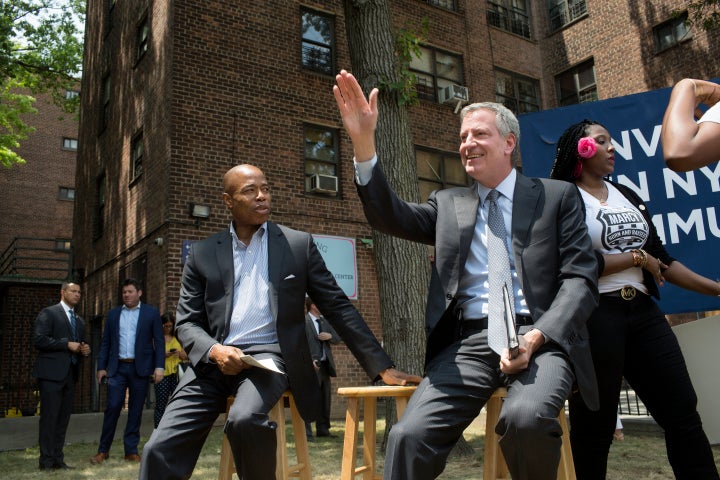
(682, 205)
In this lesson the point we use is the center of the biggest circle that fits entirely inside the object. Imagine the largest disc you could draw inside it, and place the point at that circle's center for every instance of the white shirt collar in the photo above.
(506, 187)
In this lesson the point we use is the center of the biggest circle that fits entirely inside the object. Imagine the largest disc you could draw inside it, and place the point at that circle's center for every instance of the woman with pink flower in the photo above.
(629, 335)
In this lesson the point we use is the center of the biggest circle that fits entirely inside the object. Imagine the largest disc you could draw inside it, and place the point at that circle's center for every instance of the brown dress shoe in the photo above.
(133, 457)
(100, 457)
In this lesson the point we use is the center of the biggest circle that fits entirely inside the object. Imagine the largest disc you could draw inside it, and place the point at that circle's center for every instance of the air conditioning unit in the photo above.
(323, 183)
(453, 94)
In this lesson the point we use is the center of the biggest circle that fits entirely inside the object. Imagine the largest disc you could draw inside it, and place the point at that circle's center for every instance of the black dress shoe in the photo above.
(328, 435)
(310, 438)
(62, 466)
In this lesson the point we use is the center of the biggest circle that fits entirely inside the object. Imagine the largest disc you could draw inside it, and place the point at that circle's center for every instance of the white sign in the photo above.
(339, 256)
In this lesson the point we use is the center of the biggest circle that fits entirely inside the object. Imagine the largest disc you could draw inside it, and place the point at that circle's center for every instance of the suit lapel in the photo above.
(276, 254)
(525, 203)
(466, 206)
(226, 267)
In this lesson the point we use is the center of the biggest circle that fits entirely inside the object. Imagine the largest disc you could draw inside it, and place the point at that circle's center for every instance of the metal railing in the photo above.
(35, 258)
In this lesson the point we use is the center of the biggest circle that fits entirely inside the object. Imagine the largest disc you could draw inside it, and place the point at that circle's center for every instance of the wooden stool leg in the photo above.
(227, 464)
(492, 449)
(566, 469)
(277, 415)
(369, 436)
(302, 453)
(352, 422)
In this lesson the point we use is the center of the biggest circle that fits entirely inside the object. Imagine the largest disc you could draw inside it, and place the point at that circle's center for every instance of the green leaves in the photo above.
(40, 52)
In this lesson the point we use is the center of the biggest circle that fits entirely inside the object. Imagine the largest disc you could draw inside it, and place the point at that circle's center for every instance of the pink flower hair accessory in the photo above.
(587, 147)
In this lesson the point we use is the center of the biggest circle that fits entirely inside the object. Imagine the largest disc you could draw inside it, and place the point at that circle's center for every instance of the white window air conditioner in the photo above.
(323, 184)
(454, 95)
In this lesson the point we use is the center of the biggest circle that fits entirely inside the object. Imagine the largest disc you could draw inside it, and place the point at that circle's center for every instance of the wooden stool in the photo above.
(283, 469)
(352, 422)
(494, 466)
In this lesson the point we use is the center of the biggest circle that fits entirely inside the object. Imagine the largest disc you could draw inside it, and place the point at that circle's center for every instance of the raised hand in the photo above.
(359, 114)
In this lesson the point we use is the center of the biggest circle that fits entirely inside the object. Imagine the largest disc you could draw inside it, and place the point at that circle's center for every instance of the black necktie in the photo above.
(322, 344)
(73, 358)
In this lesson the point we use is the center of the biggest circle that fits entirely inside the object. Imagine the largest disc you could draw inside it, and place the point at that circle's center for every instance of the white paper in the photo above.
(265, 363)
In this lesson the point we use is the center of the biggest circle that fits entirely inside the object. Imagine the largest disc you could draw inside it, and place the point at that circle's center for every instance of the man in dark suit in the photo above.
(320, 336)
(551, 276)
(243, 293)
(60, 342)
(132, 354)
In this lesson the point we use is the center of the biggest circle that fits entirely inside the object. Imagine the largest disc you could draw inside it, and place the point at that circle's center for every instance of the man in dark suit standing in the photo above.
(536, 226)
(132, 354)
(320, 336)
(61, 343)
(243, 293)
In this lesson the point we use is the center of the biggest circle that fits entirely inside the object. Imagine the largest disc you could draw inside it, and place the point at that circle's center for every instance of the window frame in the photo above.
(516, 97)
(423, 90)
(570, 10)
(105, 96)
(66, 194)
(335, 134)
(589, 89)
(444, 4)
(510, 18)
(330, 69)
(443, 181)
(68, 144)
(136, 160)
(142, 38)
(672, 24)
(63, 244)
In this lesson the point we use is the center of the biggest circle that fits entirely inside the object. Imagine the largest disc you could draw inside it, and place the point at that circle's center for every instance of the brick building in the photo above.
(36, 224)
(175, 93)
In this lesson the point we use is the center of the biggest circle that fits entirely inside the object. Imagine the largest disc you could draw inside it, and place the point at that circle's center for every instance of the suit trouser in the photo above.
(458, 383)
(56, 400)
(174, 447)
(124, 379)
(633, 338)
(322, 425)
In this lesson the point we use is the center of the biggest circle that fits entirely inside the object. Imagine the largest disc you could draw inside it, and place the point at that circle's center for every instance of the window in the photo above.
(70, 94)
(318, 42)
(321, 156)
(446, 4)
(670, 33)
(136, 167)
(99, 223)
(577, 85)
(438, 170)
(510, 15)
(66, 193)
(434, 70)
(70, 143)
(105, 115)
(63, 244)
(519, 94)
(143, 32)
(562, 12)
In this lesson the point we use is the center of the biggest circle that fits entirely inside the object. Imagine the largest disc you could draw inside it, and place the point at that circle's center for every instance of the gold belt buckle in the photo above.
(628, 292)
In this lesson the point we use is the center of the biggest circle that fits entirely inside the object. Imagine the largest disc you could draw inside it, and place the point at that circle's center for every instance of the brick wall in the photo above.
(223, 84)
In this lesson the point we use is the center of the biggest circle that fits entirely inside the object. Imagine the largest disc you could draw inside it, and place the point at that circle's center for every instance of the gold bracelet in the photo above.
(639, 258)
(643, 261)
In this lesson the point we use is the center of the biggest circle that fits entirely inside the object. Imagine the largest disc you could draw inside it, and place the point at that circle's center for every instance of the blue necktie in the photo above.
(498, 274)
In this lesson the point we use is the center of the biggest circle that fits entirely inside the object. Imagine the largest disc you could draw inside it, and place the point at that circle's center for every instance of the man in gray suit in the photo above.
(553, 273)
(61, 344)
(320, 336)
(242, 293)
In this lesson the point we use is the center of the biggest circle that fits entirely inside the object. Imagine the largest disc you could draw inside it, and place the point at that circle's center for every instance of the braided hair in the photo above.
(566, 155)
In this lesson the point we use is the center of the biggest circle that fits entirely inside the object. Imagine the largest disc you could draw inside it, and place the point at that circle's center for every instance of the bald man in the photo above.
(243, 292)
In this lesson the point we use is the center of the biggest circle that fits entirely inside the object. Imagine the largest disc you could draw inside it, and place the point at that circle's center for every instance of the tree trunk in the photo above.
(402, 267)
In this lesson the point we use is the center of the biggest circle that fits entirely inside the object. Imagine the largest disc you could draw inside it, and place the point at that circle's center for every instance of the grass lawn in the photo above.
(640, 456)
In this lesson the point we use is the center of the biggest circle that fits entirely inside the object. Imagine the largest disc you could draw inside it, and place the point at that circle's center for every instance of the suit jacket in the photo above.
(295, 268)
(316, 346)
(52, 334)
(149, 342)
(553, 255)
